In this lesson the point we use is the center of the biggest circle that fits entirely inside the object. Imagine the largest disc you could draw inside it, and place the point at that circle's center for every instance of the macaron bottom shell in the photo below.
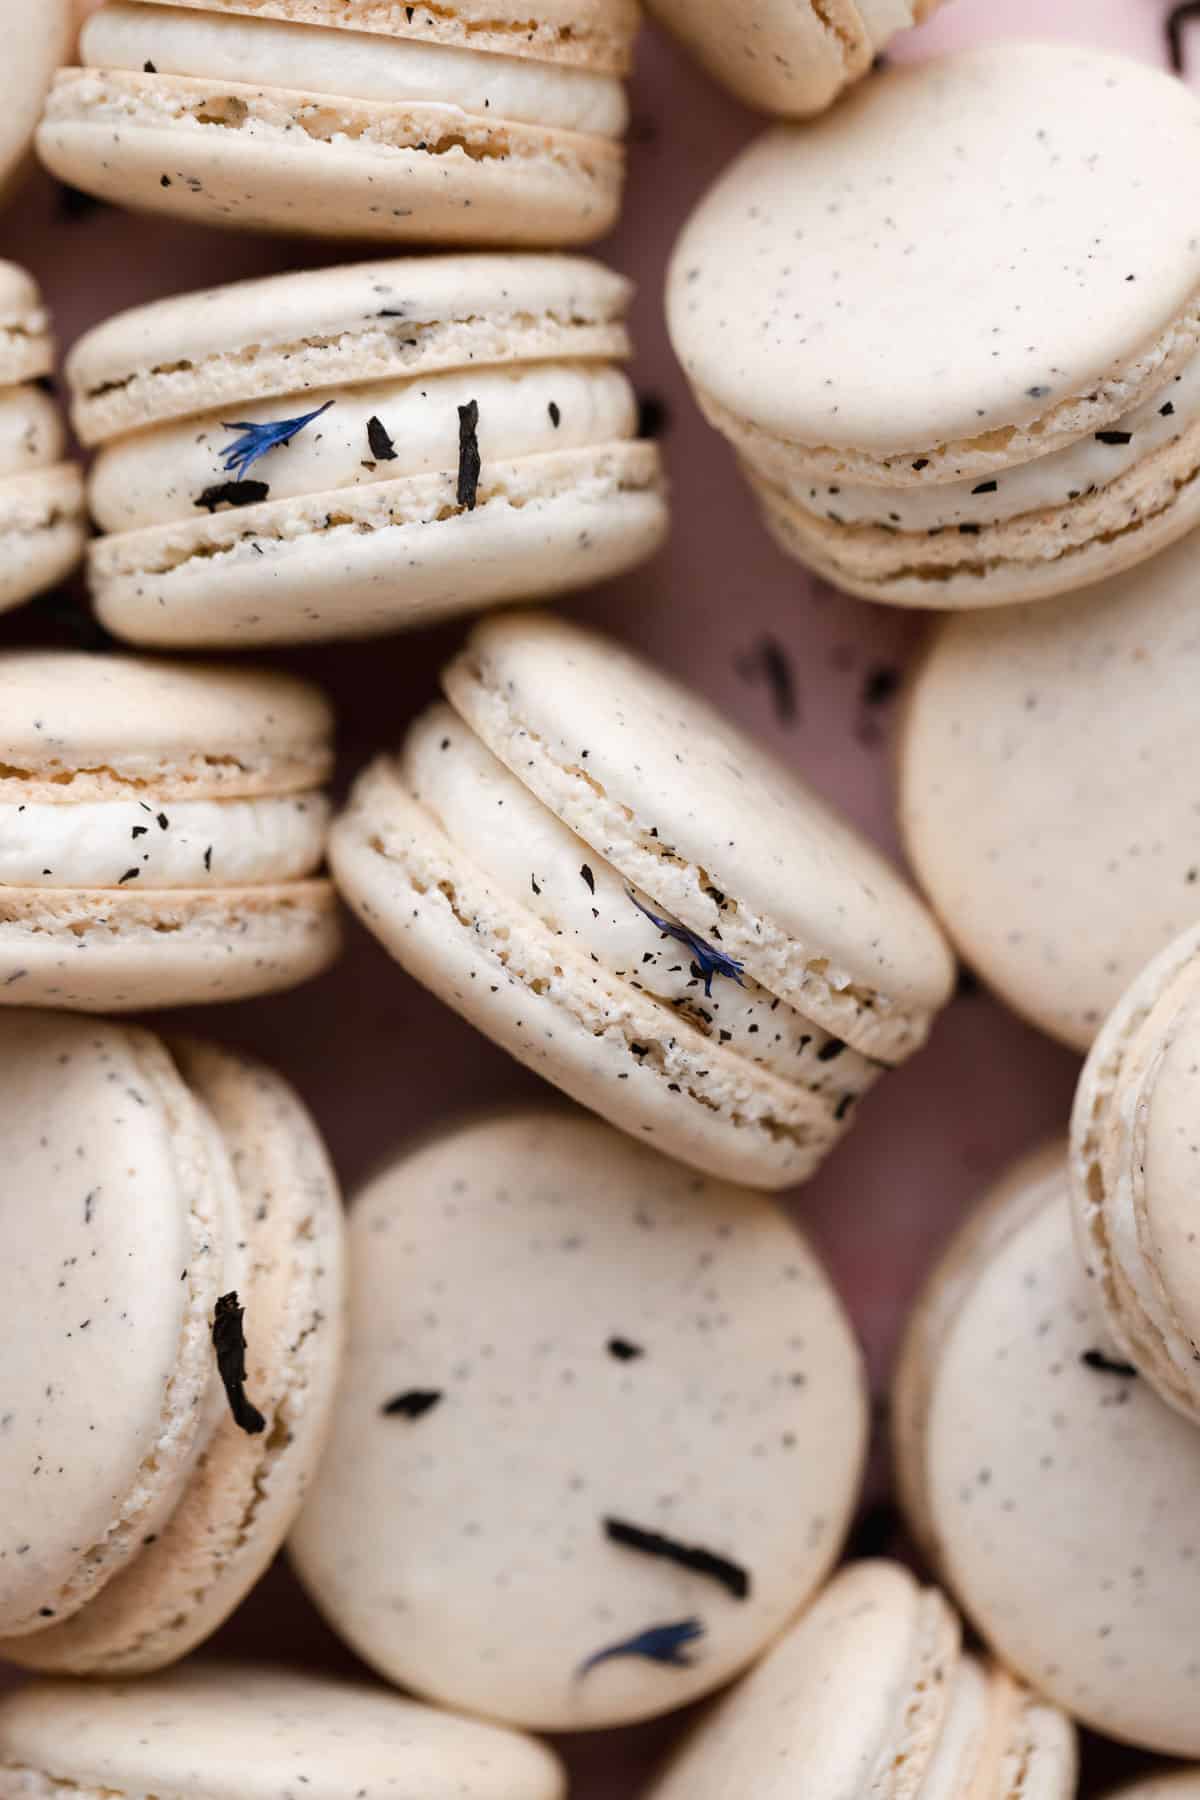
(42, 530)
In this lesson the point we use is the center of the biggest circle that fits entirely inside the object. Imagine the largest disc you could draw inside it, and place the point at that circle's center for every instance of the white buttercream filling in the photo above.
(353, 65)
(139, 844)
(158, 475)
(31, 431)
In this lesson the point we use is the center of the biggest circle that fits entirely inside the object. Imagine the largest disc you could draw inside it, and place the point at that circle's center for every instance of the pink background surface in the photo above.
(367, 1048)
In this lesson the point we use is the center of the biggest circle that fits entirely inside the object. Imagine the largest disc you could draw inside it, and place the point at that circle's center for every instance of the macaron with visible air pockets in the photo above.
(173, 1312)
(352, 450)
(37, 38)
(211, 1731)
(951, 329)
(600, 1432)
(593, 867)
(162, 832)
(1053, 1489)
(477, 124)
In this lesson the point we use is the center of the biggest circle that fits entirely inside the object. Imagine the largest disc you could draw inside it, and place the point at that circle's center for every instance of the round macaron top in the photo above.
(217, 1731)
(36, 40)
(328, 327)
(717, 832)
(965, 246)
(75, 726)
(26, 348)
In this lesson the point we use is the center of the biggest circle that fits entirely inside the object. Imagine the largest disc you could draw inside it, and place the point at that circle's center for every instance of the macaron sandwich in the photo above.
(37, 38)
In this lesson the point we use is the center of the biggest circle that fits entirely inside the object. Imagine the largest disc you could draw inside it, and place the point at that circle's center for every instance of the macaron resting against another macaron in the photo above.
(593, 867)
(952, 329)
(600, 1432)
(352, 450)
(870, 1697)
(162, 832)
(476, 124)
(42, 524)
(37, 38)
(214, 1730)
(172, 1298)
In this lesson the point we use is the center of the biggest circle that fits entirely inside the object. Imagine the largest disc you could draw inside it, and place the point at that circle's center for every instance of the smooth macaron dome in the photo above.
(239, 1731)
(41, 492)
(37, 39)
(162, 832)
(1054, 1489)
(423, 436)
(585, 1386)
(136, 1510)
(594, 868)
(353, 118)
(951, 329)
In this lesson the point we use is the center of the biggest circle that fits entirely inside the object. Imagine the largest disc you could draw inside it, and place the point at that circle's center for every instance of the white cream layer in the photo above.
(171, 844)
(159, 475)
(31, 431)
(353, 65)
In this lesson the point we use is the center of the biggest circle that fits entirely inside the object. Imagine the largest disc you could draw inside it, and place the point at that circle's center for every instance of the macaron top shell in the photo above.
(37, 35)
(967, 246)
(26, 348)
(237, 1732)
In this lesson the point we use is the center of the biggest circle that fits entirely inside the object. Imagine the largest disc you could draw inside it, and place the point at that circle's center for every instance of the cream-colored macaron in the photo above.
(411, 438)
(477, 124)
(1165, 1784)
(42, 523)
(213, 1731)
(143, 1490)
(1054, 1490)
(1047, 759)
(37, 38)
(869, 1697)
(162, 832)
(593, 867)
(952, 329)
(600, 1431)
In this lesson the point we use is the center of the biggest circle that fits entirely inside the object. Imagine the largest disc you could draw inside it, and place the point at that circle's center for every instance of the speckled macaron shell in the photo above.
(229, 1731)
(352, 534)
(960, 444)
(1046, 763)
(273, 118)
(244, 1492)
(37, 39)
(1057, 1487)
(551, 1328)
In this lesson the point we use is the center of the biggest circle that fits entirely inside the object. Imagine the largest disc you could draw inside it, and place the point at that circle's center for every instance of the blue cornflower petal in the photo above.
(665, 1644)
(240, 457)
(709, 960)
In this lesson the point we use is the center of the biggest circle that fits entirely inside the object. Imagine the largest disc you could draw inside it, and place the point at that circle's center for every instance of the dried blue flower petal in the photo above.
(240, 456)
(664, 1644)
(709, 960)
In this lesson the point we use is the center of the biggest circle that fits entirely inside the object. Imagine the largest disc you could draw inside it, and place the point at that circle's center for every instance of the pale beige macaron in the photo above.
(1164, 1784)
(869, 1697)
(212, 1731)
(37, 38)
(790, 57)
(1054, 1490)
(42, 519)
(417, 437)
(593, 867)
(143, 1492)
(477, 124)
(600, 1433)
(162, 832)
(1047, 759)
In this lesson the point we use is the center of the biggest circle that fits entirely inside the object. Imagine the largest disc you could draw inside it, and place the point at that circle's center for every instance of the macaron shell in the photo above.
(225, 1731)
(1171, 1784)
(26, 347)
(42, 530)
(776, 55)
(37, 40)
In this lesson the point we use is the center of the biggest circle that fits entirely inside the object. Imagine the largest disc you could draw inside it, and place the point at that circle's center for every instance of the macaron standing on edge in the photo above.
(413, 438)
(951, 328)
(600, 873)
(37, 38)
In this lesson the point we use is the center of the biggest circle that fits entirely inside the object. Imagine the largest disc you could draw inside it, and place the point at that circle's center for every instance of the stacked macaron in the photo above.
(36, 40)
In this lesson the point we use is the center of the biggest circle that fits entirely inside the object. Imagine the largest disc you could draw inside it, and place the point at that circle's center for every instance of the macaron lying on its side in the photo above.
(599, 872)
(600, 1432)
(42, 527)
(136, 1507)
(952, 329)
(162, 832)
(213, 1730)
(37, 38)
(352, 450)
(475, 124)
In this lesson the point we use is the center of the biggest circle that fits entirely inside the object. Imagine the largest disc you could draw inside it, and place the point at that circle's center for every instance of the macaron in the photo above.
(173, 1320)
(351, 450)
(869, 1697)
(211, 1731)
(951, 328)
(784, 58)
(42, 527)
(600, 1431)
(162, 831)
(1166, 1784)
(1047, 761)
(1054, 1490)
(37, 39)
(475, 124)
